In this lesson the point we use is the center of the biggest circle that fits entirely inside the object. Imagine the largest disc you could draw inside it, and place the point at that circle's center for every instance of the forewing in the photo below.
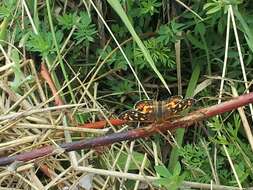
(172, 103)
(144, 106)
(135, 116)
(181, 105)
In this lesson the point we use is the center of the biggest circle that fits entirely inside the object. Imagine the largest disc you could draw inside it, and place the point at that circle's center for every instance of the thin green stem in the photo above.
(59, 57)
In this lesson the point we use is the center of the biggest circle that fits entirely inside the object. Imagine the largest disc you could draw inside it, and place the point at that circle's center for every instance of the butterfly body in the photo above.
(156, 111)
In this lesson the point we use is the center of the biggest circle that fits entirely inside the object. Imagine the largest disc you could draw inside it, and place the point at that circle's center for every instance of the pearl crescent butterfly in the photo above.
(151, 111)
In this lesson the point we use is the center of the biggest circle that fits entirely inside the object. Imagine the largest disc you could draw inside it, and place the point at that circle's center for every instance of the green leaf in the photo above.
(119, 30)
(68, 20)
(85, 31)
(159, 52)
(200, 27)
(171, 183)
(213, 7)
(207, 5)
(177, 169)
(241, 171)
(221, 25)
(248, 33)
(149, 6)
(19, 78)
(138, 157)
(168, 33)
(161, 181)
(3, 30)
(43, 42)
(215, 125)
(213, 10)
(162, 171)
(4, 12)
(195, 41)
(222, 140)
(122, 86)
(7, 8)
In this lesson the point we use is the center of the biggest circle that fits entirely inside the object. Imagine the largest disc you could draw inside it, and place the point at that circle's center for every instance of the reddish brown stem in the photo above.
(58, 101)
(135, 133)
(45, 74)
(102, 124)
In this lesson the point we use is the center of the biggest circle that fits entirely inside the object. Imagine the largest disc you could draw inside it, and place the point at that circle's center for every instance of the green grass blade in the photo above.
(245, 27)
(3, 29)
(50, 19)
(180, 132)
(193, 81)
(120, 11)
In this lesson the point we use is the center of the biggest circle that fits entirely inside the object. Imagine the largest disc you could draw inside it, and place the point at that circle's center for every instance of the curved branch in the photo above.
(186, 121)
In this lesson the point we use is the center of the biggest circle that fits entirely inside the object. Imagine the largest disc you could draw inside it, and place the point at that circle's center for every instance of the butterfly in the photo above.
(151, 111)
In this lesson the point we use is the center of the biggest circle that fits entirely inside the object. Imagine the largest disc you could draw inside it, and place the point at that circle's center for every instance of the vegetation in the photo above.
(104, 56)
